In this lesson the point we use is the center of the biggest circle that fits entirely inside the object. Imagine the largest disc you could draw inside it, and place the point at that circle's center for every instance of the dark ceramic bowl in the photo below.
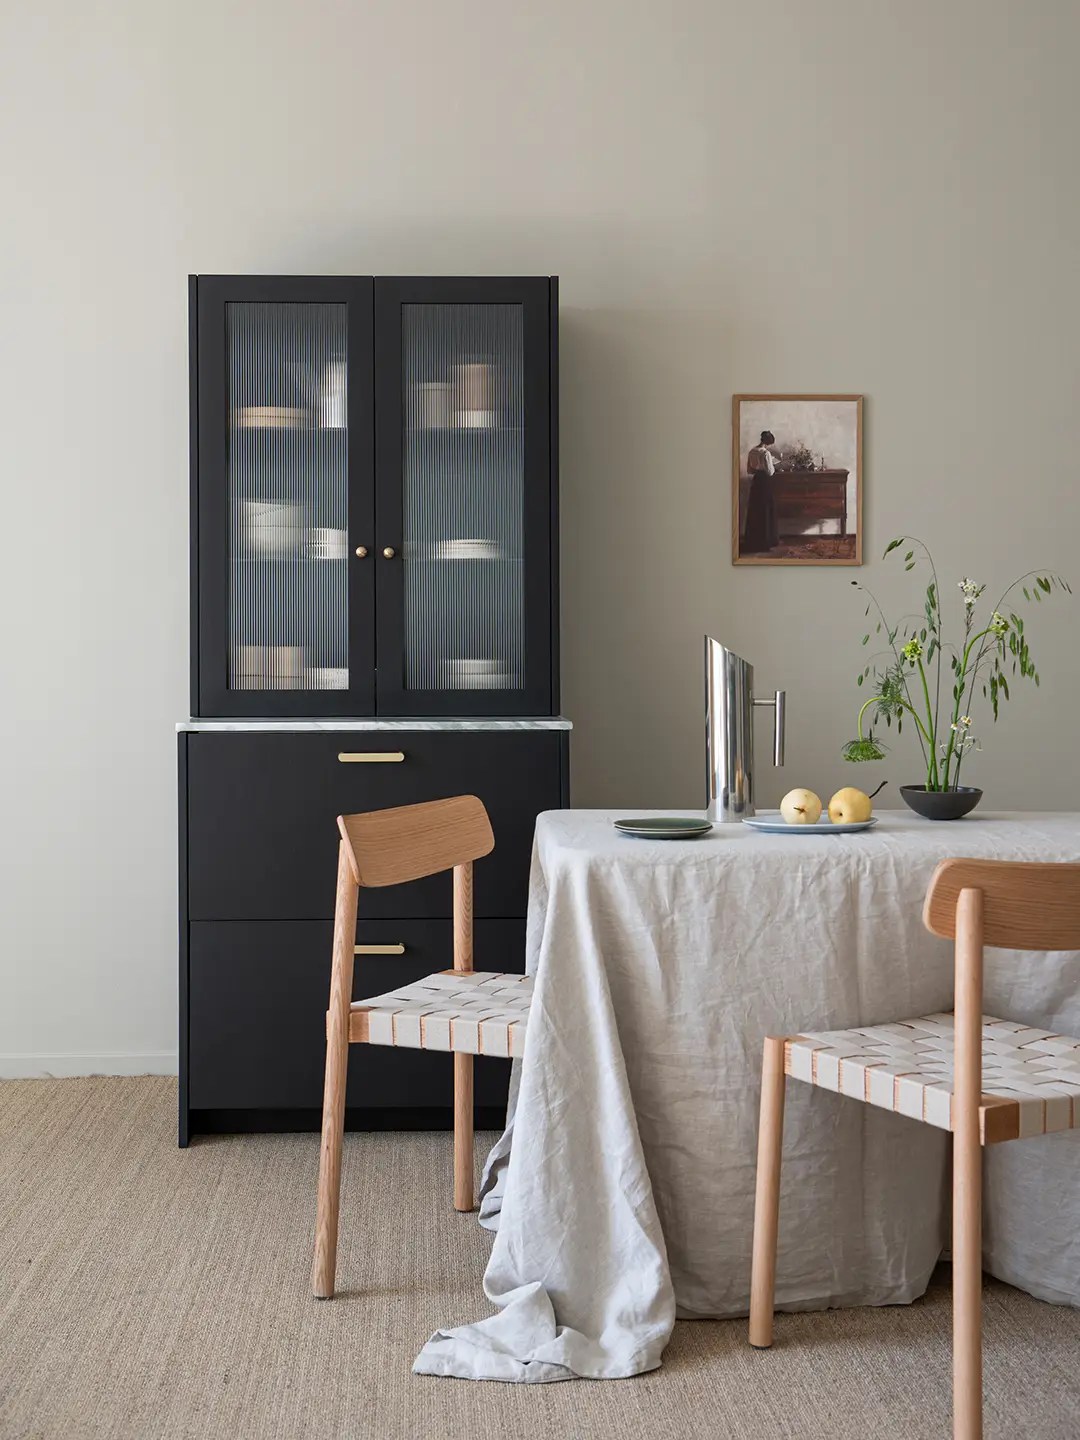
(941, 804)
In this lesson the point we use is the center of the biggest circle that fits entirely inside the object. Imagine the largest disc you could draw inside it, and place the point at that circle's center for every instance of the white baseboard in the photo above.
(40, 1067)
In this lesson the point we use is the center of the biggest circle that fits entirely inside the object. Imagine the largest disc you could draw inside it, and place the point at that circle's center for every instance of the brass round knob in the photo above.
(361, 552)
(389, 552)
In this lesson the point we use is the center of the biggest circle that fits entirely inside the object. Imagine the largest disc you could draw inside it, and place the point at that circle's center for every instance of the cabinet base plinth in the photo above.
(369, 1118)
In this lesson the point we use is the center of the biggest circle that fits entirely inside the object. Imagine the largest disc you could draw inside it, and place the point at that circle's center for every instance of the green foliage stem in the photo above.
(984, 656)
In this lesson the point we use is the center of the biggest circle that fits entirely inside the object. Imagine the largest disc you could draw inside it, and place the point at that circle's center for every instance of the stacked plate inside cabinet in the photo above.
(664, 827)
(269, 417)
(477, 549)
(328, 677)
(475, 674)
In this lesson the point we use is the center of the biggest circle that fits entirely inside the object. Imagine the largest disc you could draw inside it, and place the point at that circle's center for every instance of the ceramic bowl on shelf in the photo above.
(270, 526)
(476, 548)
(471, 673)
(328, 677)
(269, 417)
(326, 542)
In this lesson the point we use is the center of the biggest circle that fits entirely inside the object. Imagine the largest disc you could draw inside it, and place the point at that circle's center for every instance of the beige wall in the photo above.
(854, 195)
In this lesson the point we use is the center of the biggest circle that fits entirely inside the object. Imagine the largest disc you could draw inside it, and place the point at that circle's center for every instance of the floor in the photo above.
(152, 1292)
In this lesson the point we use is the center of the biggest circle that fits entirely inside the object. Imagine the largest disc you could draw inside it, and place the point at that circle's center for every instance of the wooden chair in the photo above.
(984, 1079)
(462, 1010)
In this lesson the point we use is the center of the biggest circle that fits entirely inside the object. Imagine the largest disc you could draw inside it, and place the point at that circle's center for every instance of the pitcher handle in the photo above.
(779, 707)
(779, 726)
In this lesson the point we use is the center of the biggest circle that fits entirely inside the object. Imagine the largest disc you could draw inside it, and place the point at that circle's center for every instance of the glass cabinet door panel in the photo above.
(287, 481)
(463, 507)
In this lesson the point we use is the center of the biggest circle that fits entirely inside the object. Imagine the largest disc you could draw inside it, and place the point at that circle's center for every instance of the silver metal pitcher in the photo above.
(729, 733)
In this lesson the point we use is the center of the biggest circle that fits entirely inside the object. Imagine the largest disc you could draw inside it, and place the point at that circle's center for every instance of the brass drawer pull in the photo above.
(371, 757)
(398, 949)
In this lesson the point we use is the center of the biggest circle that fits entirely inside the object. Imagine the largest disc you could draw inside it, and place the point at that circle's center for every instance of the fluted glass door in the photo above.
(463, 485)
(464, 495)
(285, 606)
(288, 496)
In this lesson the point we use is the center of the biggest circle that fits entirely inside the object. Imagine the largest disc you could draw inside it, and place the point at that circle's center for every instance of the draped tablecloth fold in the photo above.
(622, 1190)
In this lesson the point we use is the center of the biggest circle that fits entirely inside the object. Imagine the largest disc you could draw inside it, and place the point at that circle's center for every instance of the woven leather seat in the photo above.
(1030, 1078)
(476, 1013)
(463, 1011)
(981, 1078)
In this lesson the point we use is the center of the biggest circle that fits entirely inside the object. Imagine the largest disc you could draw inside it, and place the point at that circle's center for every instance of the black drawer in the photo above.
(258, 994)
(262, 838)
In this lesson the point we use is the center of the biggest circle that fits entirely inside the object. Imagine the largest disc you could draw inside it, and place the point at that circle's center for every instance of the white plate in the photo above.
(773, 823)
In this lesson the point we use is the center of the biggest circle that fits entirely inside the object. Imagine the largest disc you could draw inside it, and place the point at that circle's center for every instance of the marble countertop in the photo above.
(551, 722)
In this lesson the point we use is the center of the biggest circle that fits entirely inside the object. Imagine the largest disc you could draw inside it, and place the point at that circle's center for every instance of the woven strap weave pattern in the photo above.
(475, 1012)
(908, 1067)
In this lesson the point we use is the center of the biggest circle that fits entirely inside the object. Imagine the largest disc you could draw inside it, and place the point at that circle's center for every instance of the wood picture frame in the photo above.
(796, 491)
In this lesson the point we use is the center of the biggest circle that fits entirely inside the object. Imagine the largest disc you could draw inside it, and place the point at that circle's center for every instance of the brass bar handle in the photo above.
(398, 949)
(371, 757)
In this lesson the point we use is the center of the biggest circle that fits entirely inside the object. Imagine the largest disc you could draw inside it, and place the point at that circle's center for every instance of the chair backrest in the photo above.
(1026, 906)
(389, 847)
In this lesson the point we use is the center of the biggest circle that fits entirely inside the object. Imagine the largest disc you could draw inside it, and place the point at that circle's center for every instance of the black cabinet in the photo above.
(374, 598)
(258, 858)
(262, 832)
(373, 496)
(258, 995)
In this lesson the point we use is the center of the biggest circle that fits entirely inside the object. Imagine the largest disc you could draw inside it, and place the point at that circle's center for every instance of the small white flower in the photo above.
(970, 590)
(998, 623)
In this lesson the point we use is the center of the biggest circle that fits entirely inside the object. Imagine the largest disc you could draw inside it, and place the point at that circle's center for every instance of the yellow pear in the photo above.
(801, 807)
(849, 806)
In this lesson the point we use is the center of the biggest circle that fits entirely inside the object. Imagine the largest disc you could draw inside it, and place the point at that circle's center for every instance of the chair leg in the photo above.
(333, 1126)
(767, 1199)
(967, 1288)
(463, 1132)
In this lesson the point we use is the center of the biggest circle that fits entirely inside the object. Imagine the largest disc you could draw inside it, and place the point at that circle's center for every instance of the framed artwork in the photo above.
(796, 479)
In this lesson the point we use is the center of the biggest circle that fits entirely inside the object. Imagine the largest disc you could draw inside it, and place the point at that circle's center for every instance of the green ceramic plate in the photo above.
(664, 827)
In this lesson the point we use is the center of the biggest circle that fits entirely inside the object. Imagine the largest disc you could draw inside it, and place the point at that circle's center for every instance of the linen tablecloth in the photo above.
(622, 1190)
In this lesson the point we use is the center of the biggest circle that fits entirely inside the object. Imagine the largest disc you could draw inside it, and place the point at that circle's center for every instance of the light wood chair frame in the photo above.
(975, 903)
(392, 847)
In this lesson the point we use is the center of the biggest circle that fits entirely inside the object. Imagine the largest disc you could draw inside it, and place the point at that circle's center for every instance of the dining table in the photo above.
(621, 1192)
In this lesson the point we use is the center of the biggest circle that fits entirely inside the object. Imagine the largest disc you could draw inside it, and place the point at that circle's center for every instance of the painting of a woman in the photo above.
(760, 533)
(796, 481)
